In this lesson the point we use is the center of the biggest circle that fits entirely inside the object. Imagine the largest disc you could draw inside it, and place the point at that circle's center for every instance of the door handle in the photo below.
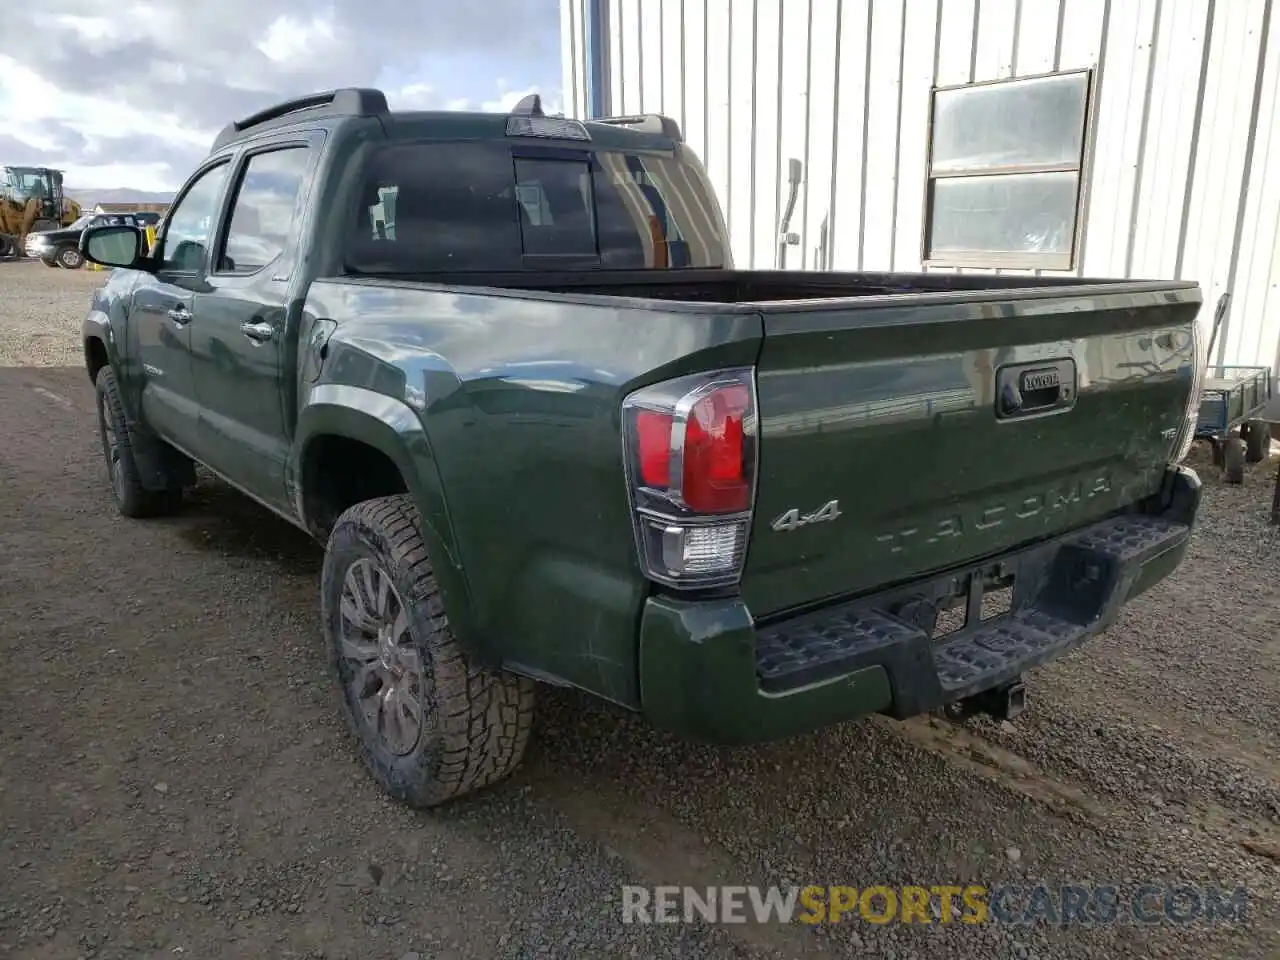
(180, 315)
(258, 332)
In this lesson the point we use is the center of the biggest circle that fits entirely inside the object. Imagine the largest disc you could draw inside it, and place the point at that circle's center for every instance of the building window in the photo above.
(1005, 170)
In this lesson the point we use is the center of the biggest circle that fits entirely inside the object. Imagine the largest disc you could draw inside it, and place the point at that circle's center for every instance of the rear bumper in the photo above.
(708, 672)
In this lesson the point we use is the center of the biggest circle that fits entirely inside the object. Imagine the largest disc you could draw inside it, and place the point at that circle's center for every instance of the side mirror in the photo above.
(117, 245)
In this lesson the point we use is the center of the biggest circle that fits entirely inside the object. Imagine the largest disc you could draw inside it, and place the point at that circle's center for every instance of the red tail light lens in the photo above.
(691, 459)
(715, 468)
(653, 431)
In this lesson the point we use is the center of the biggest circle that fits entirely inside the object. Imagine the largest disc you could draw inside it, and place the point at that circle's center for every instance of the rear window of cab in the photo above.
(491, 206)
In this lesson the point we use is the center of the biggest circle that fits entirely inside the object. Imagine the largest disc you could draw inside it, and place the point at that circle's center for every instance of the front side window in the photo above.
(190, 228)
(1005, 164)
(428, 207)
(264, 209)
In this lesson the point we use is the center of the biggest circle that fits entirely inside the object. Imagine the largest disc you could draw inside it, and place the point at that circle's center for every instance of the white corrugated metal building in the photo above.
(1105, 138)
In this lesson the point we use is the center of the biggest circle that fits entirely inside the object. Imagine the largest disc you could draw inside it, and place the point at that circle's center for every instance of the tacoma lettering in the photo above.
(954, 526)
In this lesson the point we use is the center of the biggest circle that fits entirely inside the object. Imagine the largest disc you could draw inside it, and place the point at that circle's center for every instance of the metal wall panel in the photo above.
(573, 58)
(1256, 283)
(1182, 175)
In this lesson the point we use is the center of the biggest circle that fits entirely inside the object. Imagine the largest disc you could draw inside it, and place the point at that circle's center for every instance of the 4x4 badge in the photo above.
(793, 519)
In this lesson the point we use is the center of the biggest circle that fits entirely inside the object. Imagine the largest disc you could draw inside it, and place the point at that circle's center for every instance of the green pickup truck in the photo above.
(503, 369)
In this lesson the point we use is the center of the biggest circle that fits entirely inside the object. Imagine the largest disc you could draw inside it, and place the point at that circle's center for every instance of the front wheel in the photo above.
(70, 258)
(131, 497)
(431, 725)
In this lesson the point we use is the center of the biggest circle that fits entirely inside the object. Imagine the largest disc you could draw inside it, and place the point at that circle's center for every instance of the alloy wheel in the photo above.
(387, 677)
(111, 447)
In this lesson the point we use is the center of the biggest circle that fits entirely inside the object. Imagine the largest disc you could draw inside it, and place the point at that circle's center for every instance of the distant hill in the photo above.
(89, 198)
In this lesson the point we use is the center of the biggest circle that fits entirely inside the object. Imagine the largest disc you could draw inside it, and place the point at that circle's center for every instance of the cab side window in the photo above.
(190, 227)
(265, 207)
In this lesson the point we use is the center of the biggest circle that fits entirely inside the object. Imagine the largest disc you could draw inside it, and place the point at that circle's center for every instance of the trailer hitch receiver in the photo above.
(1004, 702)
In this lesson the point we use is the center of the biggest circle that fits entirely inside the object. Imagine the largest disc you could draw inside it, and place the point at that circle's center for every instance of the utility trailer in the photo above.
(1230, 401)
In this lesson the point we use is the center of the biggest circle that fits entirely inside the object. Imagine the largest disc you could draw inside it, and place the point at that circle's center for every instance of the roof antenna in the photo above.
(530, 106)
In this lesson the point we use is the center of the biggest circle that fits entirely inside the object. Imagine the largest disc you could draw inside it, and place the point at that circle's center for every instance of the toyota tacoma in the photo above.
(503, 368)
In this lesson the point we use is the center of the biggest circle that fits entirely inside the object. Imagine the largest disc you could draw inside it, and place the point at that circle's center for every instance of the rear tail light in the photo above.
(691, 468)
(1191, 415)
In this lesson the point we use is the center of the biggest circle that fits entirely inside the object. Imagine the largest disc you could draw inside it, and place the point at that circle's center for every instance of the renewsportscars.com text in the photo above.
(1070, 904)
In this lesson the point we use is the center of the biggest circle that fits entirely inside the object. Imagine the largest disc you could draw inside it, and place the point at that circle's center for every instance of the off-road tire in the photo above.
(69, 258)
(1233, 458)
(131, 497)
(477, 719)
(1258, 441)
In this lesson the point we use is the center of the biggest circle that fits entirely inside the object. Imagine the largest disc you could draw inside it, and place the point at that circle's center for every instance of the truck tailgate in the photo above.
(906, 435)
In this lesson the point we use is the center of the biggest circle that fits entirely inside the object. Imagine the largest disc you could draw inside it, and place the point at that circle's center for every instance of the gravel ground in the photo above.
(175, 779)
(40, 313)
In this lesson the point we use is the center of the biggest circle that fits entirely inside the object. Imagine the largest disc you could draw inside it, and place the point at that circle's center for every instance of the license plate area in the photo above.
(961, 603)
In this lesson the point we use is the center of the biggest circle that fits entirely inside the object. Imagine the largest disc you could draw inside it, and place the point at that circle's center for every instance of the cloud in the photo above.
(135, 96)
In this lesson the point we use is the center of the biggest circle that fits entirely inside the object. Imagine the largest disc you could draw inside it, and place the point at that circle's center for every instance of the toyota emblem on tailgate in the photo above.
(1041, 380)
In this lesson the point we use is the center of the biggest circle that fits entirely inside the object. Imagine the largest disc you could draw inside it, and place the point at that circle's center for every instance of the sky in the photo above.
(131, 94)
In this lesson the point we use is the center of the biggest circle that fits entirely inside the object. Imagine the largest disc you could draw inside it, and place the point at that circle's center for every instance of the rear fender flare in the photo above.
(392, 427)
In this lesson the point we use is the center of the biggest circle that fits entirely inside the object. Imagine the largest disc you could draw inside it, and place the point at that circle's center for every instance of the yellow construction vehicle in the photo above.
(31, 199)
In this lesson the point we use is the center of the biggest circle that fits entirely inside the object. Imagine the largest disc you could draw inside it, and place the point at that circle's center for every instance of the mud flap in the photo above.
(160, 467)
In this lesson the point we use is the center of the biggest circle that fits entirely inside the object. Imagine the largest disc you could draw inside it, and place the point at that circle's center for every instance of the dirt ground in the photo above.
(175, 780)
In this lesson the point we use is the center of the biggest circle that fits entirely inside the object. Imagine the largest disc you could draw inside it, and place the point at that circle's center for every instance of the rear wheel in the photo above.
(70, 258)
(1234, 457)
(431, 725)
(131, 497)
(1258, 441)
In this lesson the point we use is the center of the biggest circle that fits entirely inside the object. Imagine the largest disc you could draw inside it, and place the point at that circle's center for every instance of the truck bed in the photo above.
(947, 417)
(749, 287)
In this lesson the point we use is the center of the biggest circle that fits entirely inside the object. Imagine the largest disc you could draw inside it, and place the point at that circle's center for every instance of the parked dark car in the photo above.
(61, 248)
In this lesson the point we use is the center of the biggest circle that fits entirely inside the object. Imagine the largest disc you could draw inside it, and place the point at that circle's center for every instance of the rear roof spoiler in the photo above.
(647, 123)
